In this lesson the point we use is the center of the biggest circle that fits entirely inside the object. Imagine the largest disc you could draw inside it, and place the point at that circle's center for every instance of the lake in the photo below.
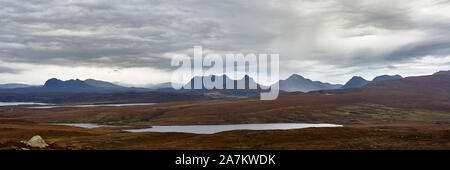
(210, 129)
(83, 125)
(20, 103)
(92, 105)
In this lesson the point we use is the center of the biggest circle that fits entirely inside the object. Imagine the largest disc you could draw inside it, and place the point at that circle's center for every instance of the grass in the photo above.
(235, 111)
(65, 137)
(373, 120)
(369, 113)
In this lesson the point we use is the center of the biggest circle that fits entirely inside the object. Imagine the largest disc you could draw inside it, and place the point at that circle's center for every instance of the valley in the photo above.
(407, 113)
(400, 136)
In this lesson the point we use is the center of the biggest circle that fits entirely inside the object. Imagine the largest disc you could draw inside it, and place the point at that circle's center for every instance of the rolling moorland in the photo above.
(405, 113)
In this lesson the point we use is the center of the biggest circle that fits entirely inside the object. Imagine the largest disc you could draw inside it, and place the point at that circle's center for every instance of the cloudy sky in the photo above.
(132, 41)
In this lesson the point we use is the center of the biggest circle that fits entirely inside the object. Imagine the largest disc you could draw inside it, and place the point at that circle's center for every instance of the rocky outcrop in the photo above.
(36, 142)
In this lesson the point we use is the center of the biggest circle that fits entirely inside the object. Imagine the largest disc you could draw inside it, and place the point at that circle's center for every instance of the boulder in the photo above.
(36, 142)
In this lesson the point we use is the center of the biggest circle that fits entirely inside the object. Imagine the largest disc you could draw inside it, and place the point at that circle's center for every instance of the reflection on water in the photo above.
(83, 125)
(20, 103)
(210, 129)
(92, 105)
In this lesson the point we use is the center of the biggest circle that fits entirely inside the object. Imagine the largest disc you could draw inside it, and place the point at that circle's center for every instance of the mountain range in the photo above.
(73, 86)
(294, 83)
(58, 91)
(247, 81)
(299, 83)
(89, 85)
(357, 81)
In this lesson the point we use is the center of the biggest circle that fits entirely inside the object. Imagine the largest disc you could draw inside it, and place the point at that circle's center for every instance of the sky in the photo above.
(131, 42)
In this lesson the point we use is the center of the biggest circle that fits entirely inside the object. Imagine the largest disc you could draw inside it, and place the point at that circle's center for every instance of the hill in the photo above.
(13, 86)
(423, 99)
(442, 73)
(74, 86)
(356, 81)
(298, 83)
(385, 77)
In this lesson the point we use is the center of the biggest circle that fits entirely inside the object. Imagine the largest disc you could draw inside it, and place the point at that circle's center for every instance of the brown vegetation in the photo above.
(65, 137)
(410, 113)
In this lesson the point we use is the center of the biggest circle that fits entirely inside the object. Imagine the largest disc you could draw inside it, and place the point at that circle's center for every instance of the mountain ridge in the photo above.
(354, 82)
(358, 81)
(74, 86)
(297, 82)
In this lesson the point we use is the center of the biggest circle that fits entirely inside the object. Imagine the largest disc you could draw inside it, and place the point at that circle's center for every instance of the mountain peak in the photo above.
(355, 81)
(295, 76)
(297, 82)
(386, 77)
(60, 85)
(357, 77)
(247, 80)
(53, 80)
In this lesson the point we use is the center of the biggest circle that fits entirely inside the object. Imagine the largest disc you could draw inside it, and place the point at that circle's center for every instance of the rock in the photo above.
(36, 142)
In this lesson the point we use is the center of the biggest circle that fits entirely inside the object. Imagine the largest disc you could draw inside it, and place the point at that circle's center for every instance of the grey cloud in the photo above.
(393, 15)
(435, 48)
(139, 33)
(118, 33)
(398, 16)
(391, 67)
(8, 70)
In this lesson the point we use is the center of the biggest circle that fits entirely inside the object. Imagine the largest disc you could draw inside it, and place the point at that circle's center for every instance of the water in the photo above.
(20, 103)
(83, 125)
(92, 105)
(210, 129)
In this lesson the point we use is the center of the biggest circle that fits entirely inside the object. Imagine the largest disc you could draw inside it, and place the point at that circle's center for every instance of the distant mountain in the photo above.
(69, 85)
(293, 83)
(299, 83)
(419, 89)
(103, 84)
(435, 86)
(74, 86)
(160, 86)
(386, 77)
(442, 73)
(226, 81)
(13, 86)
(224, 92)
(355, 82)
(89, 85)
